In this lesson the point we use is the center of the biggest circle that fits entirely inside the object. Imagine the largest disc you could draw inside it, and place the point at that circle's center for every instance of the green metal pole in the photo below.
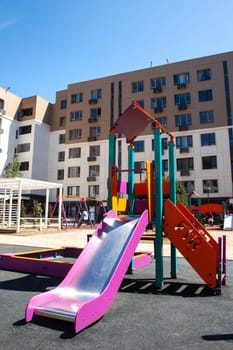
(111, 161)
(158, 207)
(131, 180)
(172, 179)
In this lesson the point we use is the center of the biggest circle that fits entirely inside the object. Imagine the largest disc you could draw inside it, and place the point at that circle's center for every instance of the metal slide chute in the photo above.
(90, 287)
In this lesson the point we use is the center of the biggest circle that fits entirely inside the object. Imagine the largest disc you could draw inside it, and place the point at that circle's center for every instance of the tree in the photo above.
(13, 169)
(181, 194)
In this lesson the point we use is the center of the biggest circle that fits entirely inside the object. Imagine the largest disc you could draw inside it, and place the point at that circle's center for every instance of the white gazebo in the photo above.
(12, 190)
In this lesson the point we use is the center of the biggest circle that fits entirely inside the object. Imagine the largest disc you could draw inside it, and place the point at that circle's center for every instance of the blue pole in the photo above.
(158, 207)
(172, 179)
(131, 181)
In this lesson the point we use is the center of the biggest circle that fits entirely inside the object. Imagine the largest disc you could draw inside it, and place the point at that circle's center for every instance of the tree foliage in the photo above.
(13, 169)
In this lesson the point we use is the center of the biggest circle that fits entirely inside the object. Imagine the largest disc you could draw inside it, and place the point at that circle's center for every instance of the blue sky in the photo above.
(48, 44)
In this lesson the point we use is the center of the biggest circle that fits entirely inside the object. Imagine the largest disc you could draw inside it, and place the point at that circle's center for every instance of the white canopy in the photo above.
(8, 185)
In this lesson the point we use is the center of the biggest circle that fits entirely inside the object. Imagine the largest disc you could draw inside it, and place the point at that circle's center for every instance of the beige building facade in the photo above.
(69, 139)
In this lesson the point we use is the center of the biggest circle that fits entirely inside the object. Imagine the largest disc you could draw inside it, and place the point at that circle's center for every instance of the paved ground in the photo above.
(184, 315)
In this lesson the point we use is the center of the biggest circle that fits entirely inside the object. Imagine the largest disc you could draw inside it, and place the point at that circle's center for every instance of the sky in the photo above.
(47, 44)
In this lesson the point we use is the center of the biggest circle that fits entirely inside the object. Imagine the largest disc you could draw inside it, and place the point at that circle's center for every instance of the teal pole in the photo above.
(131, 180)
(158, 208)
(172, 179)
(111, 161)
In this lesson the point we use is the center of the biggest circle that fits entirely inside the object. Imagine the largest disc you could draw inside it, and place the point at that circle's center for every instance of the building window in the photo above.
(165, 165)
(189, 186)
(139, 146)
(94, 170)
(183, 142)
(94, 151)
(162, 121)
(76, 116)
(158, 84)
(26, 112)
(96, 94)
(61, 156)
(75, 134)
(210, 186)
(62, 121)
(180, 80)
(204, 74)
(95, 113)
(63, 104)
(73, 190)
(60, 174)
(205, 95)
(209, 162)
(75, 152)
(208, 139)
(74, 171)
(141, 103)
(23, 147)
(1, 103)
(184, 164)
(206, 117)
(93, 191)
(26, 129)
(95, 131)
(61, 138)
(164, 144)
(182, 100)
(77, 98)
(137, 86)
(139, 167)
(157, 104)
(183, 120)
(24, 166)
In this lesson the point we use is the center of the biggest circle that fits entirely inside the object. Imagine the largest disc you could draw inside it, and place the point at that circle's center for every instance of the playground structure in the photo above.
(92, 281)
(94, 216)
(179, 225)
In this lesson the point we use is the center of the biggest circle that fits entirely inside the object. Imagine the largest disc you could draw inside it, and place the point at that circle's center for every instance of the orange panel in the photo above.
(140, 189)
(193, 243)
(166, 187)
(211, 208)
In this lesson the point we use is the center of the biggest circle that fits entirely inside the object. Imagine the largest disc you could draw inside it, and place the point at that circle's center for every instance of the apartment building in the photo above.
(67, 142)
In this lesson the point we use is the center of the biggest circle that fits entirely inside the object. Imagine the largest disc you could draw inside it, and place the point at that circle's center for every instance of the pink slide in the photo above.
(90, 287)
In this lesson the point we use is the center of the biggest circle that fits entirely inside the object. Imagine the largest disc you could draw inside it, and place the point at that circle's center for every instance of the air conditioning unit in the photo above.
(158, 110)
(182, 106)
(184, 172)
(181, 85)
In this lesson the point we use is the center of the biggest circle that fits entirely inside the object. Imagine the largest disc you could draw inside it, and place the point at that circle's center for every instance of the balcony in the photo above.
(158, 110)
(184, 172)
(91, 178)
(91, 159)
(182, 107)
(93, 101)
